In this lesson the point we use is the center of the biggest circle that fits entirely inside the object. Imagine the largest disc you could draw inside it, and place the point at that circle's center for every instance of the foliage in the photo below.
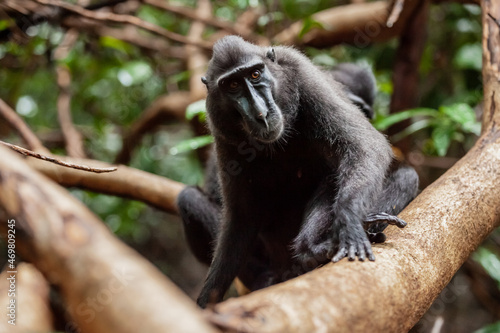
(448, 123)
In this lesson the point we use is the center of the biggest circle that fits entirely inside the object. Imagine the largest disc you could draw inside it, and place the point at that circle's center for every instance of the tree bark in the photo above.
(359, 24)
(127, 182)
(491, 63)
(107, 286)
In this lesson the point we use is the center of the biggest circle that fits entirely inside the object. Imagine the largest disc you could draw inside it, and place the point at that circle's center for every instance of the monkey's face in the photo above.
(247, 91)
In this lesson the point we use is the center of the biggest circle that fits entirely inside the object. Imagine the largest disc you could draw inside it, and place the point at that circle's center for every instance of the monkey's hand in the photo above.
(375, 224)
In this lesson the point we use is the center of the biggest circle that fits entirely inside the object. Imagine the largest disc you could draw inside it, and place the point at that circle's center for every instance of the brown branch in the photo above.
(491, 64)
(165, 108)
(126, 182)
(81, 167)
(359, 24)
(126, 19)
(196, 59)
(32, 300)
(73, 138)
(196, 64)
(406, 69)
(107, 286)
(129, 34)
(20, 126)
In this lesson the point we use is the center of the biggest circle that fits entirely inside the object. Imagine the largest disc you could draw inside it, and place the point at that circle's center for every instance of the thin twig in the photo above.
(27, 152)
(396, 11)
(20, 126)
(494, 19)
(127, 19)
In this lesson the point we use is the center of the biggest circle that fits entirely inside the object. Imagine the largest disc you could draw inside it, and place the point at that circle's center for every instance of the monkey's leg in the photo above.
(200, 218)
(400, 188)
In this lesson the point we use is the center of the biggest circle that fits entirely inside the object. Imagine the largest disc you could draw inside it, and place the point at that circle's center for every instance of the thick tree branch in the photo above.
(32, 300)
(102, 280)
(127, 182)
(358, 23)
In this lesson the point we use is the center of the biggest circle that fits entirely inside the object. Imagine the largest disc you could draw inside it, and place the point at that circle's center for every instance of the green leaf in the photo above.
(441, 138)
(469, 56)
(309, 24)
(464, 115)
(392, 119)
(493, 328)
(192, 144)
(197, 108)
(116, 44)
(4, 24)
(415, 127)
(489, 261)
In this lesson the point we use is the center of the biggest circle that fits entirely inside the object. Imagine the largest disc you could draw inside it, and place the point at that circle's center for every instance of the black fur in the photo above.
(360, 85)
(297, 169)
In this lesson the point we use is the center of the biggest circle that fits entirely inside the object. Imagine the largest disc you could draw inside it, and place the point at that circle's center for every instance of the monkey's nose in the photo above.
(262, 118)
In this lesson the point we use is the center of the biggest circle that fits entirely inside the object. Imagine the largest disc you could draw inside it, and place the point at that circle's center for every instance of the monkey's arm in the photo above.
(237, 235)
(359, 157)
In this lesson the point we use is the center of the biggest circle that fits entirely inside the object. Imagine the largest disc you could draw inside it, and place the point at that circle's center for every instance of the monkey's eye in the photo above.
(255, 74)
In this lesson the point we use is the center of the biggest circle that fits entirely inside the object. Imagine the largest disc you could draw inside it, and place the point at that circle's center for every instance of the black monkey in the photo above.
(297, 169)
(359, 84)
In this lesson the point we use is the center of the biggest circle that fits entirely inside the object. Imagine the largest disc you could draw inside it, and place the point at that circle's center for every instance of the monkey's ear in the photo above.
(204, 80)
(271, 55)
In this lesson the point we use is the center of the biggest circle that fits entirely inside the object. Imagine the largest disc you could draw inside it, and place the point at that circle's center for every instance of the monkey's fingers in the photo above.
(387, 218)
(341, 253)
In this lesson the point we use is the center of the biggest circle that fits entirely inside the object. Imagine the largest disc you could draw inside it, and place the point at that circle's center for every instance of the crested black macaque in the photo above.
(298, 170)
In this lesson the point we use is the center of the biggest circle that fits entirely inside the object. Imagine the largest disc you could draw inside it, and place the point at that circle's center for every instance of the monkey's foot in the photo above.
(384, 217)
(375, 224)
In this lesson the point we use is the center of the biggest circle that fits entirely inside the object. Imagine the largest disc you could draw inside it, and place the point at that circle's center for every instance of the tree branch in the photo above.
(164, 108)
(20, 126)
(196, 16)
(72, 137)
(126, 182)
(491, 63)
(406, 71)
(127, 19)
(359, 24)
(101, 279)
(81, 167)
